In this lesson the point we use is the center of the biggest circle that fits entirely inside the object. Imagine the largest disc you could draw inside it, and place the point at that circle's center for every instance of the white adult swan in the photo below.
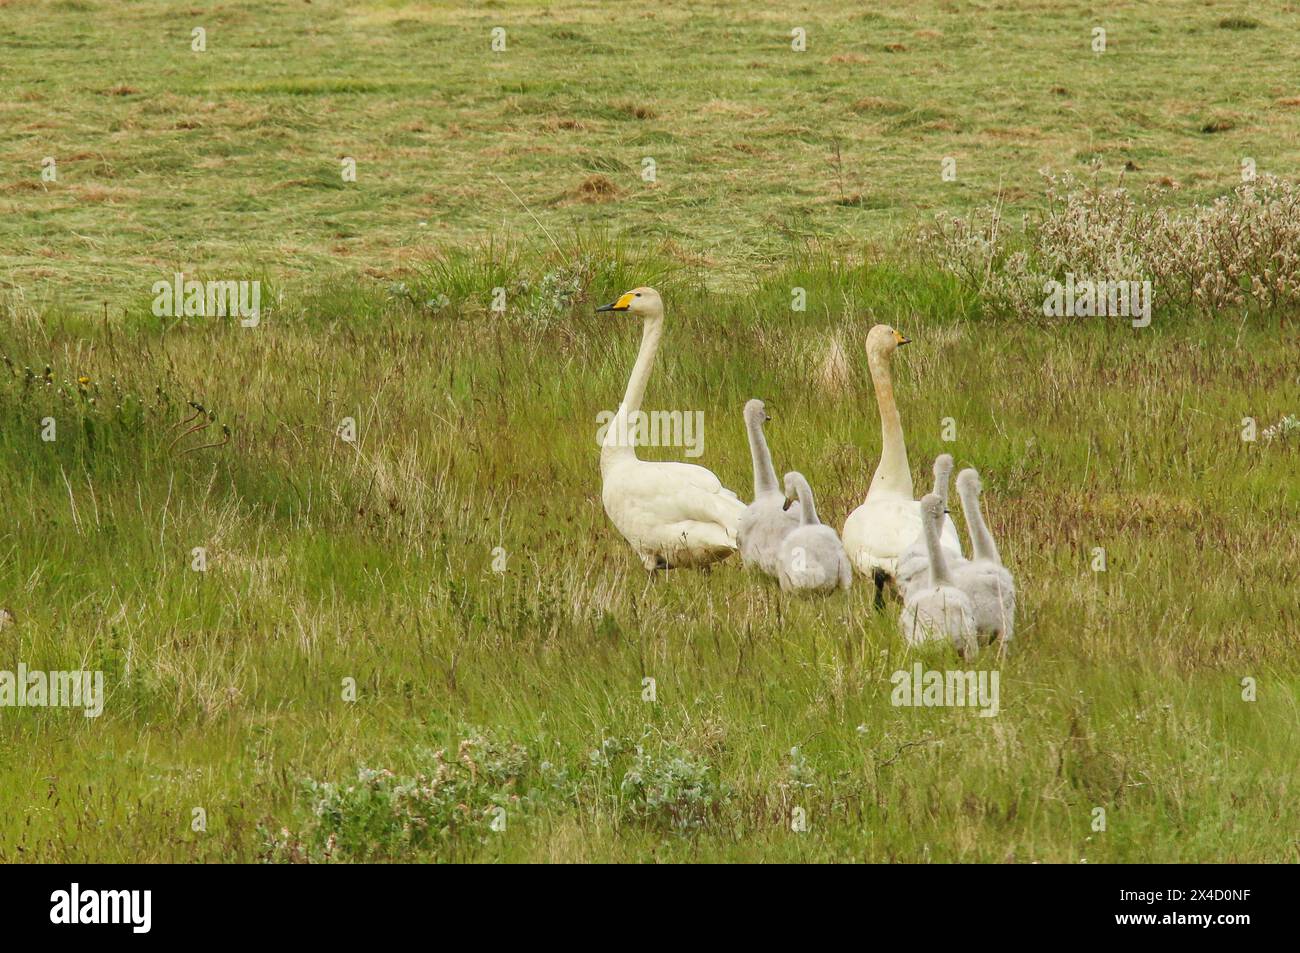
(673, 514)
(877, 532)
(768, 519)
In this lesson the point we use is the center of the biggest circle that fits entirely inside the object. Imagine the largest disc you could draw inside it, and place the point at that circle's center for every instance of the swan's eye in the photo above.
(638, 294)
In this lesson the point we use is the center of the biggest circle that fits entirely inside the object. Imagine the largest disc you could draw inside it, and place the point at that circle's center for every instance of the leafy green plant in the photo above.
(672, 789)
(385, 815)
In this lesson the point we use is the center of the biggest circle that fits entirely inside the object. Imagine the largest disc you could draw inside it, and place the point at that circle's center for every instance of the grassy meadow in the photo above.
(429, 644)
(223, 160)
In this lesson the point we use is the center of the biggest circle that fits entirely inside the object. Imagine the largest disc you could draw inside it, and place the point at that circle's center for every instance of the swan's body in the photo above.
(672, 514)
(811, 557)
(767, 520)
(889, 520)
(983, 578)
(939, 610)
(914, 563)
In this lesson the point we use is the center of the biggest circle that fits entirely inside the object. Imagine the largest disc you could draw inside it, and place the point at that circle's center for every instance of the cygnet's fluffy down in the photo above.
(766, 521)
(939, 610)
(811, 557)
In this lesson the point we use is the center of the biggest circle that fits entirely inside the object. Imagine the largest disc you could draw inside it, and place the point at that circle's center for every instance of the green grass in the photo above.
(374, 561)
(329, 561)
(171, 160)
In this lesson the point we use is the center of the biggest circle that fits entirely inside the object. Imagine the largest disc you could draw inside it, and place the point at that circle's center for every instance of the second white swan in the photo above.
(889, 520)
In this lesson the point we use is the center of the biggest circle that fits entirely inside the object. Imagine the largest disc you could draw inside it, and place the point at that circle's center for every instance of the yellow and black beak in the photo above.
(901, 338)
(622, 304)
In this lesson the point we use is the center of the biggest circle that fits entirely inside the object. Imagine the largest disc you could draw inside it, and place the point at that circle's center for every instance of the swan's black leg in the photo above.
(878, 576)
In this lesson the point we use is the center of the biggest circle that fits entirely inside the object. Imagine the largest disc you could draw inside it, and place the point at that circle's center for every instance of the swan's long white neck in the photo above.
(938, 564)
(764, 472)
(893, 477)
(981, 540)
(618, 442)
(807, 511)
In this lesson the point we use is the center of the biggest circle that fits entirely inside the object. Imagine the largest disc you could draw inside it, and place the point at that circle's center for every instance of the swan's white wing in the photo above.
(693, 493)
(651, 499)
(879, 532)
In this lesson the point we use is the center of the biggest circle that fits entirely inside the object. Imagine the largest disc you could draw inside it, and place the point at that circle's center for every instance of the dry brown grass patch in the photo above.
(595, 188)
(556, 123)
(871, 104)
(638, 110)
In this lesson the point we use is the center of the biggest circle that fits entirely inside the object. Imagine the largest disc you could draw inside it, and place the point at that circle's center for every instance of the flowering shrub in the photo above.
(383, 815)
(672, 789)
(1241, 252)
(1286, 430)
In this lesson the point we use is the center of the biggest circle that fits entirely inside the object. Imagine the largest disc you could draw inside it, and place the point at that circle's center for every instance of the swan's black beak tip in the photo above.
(605, 307)
(786, 504)
(904, 341)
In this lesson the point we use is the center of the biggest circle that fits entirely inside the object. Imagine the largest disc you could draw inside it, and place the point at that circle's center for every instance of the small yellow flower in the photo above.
(83, 380)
